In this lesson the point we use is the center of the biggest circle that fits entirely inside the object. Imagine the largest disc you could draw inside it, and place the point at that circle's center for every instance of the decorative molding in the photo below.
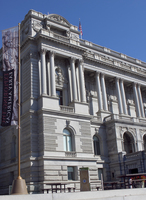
(37, 26)
(113, 62)
(142, 133)
(59, 19)
(127, 129)
(67, 123)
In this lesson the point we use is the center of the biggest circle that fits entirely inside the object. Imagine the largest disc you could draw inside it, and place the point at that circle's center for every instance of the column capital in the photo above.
(81, 61)
(122, 80)
(73, 59)
(43, 51)
(52, 53)
(97, 73)
(139, 85)
(134, 84)
(102, 74)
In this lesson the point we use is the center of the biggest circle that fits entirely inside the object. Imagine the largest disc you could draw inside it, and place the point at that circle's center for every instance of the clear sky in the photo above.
(116, 24)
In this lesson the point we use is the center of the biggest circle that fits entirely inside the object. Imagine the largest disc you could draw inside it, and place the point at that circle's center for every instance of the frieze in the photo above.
(108, 60)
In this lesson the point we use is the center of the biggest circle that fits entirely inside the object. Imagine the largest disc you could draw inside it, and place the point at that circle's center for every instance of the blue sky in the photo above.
(116, 24)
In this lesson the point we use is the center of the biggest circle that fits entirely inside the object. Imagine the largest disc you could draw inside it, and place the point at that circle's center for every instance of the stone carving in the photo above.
(60, 80)
(142, 133)
(59, 19)
(127, 129)
(37, 26)
(130, 101)
(112, 98)
(96, 130)
(67, 123)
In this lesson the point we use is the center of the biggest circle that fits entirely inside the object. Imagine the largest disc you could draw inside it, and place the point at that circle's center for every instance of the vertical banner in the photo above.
(10, 77)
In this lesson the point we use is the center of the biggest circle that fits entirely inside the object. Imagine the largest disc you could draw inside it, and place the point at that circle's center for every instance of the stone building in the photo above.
(82, 105)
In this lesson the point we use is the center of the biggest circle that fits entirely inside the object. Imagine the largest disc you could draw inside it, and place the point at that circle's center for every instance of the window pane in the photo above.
(66, 132)
(59, 94)
(69, 145)
(96, 145)
(100, 171)
(71, 173)
(64, 140)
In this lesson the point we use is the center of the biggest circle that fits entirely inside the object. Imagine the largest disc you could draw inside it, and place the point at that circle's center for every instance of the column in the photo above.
(52, 74)
(82, 81)
(140, 100)
(98, 91)
(123, 97)
(119, 96)
(39, 69)
(48, 75)
(104, 96)
(70, 84)
(136, 100)
(43, 71)
(73, 78)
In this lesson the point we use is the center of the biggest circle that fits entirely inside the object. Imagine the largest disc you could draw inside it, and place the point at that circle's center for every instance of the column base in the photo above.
(19, 187)
(103, 114)
(81, 108)
(48, 103)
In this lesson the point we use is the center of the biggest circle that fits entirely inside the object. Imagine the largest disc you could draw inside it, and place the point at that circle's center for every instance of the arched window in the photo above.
(129, 146)
(68, 140)
(144, 142)
(96, 144)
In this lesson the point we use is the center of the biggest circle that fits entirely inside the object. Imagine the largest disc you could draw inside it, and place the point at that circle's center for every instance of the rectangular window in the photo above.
(59, 94)
(100, 171)
(71, 173)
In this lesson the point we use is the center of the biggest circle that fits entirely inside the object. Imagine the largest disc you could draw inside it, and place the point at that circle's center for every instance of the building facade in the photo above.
(82, 105)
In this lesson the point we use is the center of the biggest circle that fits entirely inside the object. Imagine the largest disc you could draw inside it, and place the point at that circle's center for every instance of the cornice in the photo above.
(67, 42)
(65, 114)
(114, 63)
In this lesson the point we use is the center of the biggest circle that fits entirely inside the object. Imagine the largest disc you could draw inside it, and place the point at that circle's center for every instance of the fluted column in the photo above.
(136, 100)
(73, 78)
(82, 82)
(119, 96)
(98, 91)
(105, 106)
(123, 97)
(52, 74)
(43, 72)
(140, 100)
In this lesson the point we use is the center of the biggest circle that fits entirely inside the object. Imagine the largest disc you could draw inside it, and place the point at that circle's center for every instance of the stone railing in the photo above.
(70, 154)
(60, 37)
(67, 109)
(124, 117)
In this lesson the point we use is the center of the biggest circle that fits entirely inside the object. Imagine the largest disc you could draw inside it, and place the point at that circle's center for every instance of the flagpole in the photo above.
(19, 185)
(19, 177)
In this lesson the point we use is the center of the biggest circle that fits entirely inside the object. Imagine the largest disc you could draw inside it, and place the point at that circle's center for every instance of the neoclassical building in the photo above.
(82, 105)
